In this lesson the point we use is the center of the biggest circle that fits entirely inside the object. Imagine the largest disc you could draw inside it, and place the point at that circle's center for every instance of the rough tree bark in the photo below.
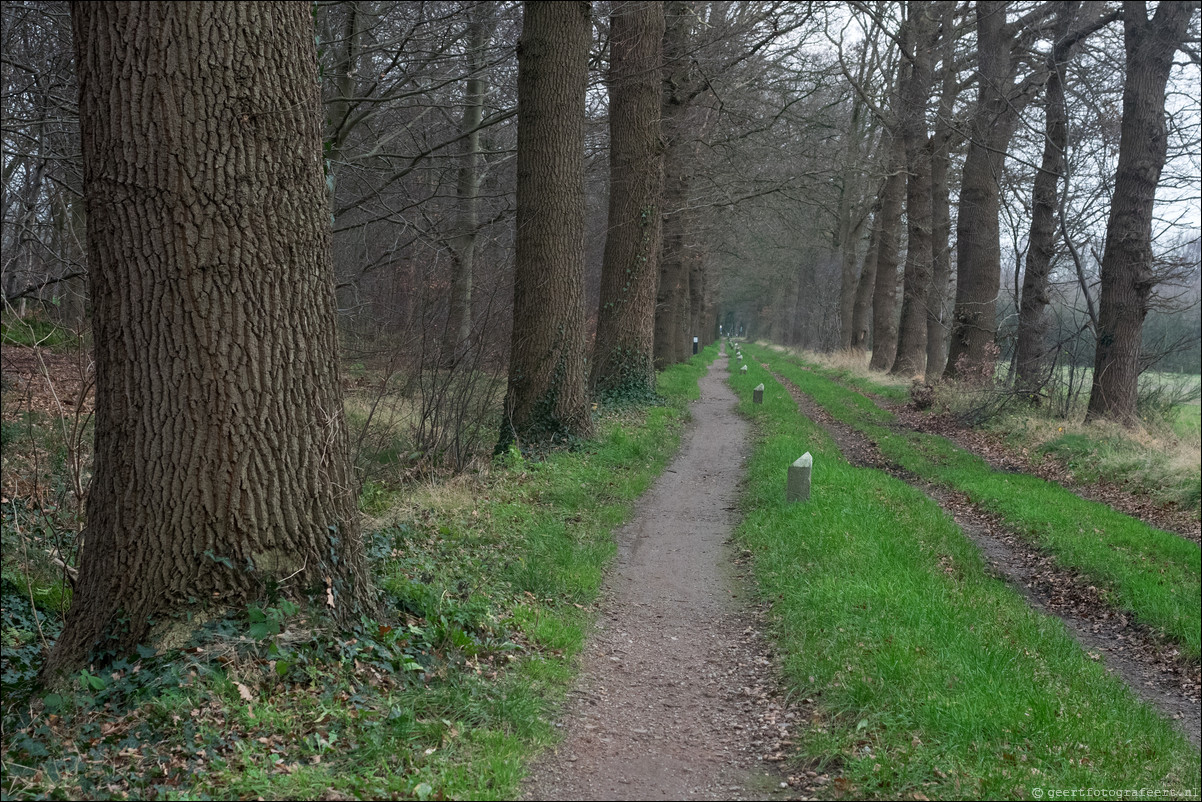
(851, 219)
(1001, 99)
(1127, 280)
(1030, 347)
(221, 465)
(884, 294)
(916, 282)
(623, 361)
(945, 135)
(547, 399)
(699, 291)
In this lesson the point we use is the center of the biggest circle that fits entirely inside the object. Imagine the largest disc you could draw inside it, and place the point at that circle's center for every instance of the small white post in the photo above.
(757, 395)
(798, 486)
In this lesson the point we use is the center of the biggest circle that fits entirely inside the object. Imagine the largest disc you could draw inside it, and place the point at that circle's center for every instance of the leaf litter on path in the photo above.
(678, 694)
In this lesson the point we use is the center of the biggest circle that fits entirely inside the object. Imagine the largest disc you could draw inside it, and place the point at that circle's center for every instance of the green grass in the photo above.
(33, 330)
(488, 593)
(1186, 420)
(926, 677)
(1154, 574)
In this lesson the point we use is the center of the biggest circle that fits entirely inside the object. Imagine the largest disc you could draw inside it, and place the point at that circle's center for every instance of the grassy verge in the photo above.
(928, 678)
(1160, 458)
(850, 368)
(1154, 574)
(1165, 465)
(488, 583)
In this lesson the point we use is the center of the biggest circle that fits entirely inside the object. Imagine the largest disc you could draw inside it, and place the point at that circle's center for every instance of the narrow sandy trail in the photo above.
(676, 697)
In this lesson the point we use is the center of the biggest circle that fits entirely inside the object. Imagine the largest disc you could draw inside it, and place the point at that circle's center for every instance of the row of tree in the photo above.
(640, 173)
(221, 464)
(1020, 55)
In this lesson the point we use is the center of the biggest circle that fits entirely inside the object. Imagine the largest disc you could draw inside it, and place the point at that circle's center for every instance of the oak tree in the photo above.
(1127, 268)
(221, 470)
(623, 360)
(547, 398)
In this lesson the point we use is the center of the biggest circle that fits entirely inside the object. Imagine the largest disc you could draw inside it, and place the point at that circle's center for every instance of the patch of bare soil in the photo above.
(1002, 457)
(677, 697)
(1154, 668)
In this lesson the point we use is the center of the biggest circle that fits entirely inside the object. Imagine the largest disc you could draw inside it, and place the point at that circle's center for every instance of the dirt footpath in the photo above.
(677, 696)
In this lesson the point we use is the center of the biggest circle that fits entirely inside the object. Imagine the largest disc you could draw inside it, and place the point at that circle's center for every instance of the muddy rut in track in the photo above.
(677, 697)
(1153, 667)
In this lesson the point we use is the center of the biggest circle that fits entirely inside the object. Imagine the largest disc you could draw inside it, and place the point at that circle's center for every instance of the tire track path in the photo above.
(1150, 665)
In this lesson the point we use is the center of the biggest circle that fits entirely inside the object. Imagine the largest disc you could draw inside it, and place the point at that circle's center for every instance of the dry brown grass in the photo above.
(852, 361)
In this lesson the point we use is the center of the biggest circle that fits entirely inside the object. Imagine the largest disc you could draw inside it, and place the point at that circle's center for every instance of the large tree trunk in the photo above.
(916, 284)
(680, 154)
(1030, 359)
(623, 360)
(467, 189)
(941, 255)
(673, 274)
(221, 463)
(850, 222)
(941, 221)
(699, 280)
(1000, 101)
(1127, 280)
(547, 398)
(884, 294)
(1030, 347)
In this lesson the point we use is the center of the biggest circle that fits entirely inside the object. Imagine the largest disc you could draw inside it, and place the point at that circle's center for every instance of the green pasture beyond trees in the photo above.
(926, 676)
(446, 696)
(1154, 574)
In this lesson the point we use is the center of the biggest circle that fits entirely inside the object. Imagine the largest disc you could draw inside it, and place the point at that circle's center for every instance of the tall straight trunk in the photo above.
(1000, 101)
(1031, 347)
(467, 188)
(850, 222)
(941, 255)
(862, 309)
(348, 46)
(916, 283)
(1127, 280)
(680, 153)
(941, 221)
(884, 294)
(673, 285)
(698, 288)
(221, 465)
(623, 360)
(683, 305)
(547, 399)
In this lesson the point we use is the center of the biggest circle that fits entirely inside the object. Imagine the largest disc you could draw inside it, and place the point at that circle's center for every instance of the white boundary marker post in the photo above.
(798, 487)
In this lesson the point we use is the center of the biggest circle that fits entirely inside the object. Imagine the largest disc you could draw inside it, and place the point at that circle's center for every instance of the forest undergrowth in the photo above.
(487, 582)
